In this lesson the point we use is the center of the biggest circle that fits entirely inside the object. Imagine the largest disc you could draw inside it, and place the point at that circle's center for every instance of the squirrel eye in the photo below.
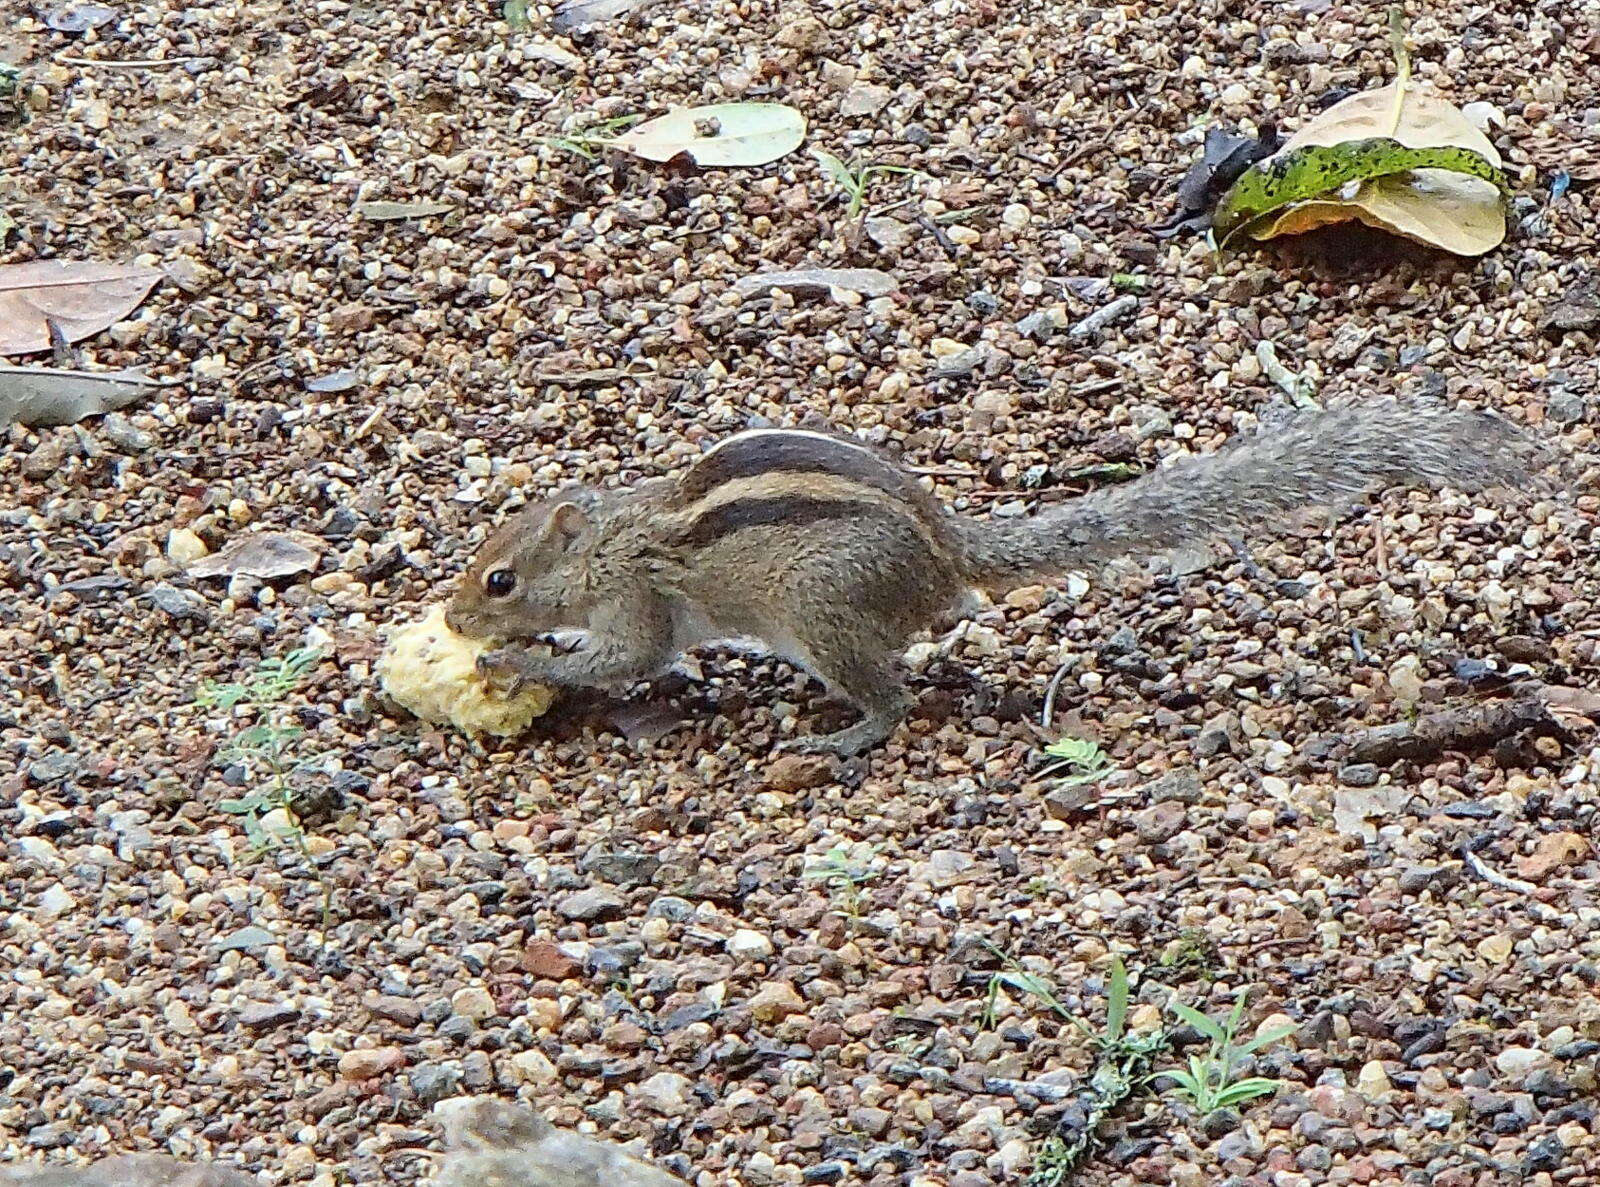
(500, 583)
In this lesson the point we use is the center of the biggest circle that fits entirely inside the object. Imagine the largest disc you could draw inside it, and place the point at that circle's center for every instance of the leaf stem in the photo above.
(1402, 65)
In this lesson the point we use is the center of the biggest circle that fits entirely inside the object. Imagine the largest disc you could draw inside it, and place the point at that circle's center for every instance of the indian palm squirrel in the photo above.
(830, 556)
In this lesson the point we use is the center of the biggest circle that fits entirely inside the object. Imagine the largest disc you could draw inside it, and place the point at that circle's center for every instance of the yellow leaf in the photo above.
(719, 135)
(1427, 120)
(1453, 211)
(1439, 207)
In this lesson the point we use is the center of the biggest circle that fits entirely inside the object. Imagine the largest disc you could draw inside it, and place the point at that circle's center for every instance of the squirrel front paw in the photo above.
(563, 642)
(506, 670)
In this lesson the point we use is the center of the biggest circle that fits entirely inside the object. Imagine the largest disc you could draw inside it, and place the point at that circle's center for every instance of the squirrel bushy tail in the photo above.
(1324, 458)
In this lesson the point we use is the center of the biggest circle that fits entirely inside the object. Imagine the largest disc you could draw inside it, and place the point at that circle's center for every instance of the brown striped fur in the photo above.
(832, 557)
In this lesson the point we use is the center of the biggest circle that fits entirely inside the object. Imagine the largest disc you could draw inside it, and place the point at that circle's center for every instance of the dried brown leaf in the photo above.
(48, 396)
(80, 297)
(267, 555)
(1355, 807)
(580, 14)
(869, 282)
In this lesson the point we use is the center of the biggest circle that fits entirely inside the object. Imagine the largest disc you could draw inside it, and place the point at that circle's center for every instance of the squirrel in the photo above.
(819, 549)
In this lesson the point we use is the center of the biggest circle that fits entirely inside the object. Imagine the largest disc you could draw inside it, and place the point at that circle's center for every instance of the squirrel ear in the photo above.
(567, 521)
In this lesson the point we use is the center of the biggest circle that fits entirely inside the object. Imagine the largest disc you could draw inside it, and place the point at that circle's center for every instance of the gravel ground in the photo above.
(618, 927)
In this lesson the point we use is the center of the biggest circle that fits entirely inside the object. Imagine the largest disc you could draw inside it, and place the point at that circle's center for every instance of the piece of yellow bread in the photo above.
(432, 671)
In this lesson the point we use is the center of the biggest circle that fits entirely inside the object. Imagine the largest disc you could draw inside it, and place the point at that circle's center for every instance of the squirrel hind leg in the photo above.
(878, 721)
(870, 678)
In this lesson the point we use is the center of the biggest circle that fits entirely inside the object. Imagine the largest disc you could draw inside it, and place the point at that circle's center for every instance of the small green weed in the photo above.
(855, 178)
(1024, 981)
(1082, 760)
(268, 752)
(1208, 1082)
(1192, 953)
(845, 874)
(516, 14)
(590, 140)
(1122, 1067)
(1052, 1164)
(13, 111)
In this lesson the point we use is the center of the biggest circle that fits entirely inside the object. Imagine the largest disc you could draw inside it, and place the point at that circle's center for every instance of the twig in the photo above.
(1103, 317)
(938, 233)
(1095, 387)
(1073, 157)
(130, 63)
(1493, 877)
(1050, 696)
(1261, 945)
(1468, 728)
(1380, 548)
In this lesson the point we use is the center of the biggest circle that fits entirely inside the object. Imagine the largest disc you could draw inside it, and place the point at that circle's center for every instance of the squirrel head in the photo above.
(529, 578)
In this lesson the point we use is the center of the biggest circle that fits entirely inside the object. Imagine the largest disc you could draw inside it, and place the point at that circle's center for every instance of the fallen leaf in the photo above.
(47, 396)
(1355, 807)
(387, 211)
(1337, 176)
(1223, 159)
(246, 937)
(1400, 158)
(1462, 215)
(81, 297)
(267, 555)
(549, 51)
(578, 14)
(1425, 120)
(338, 381)
(869, 282)
(722, 134)
(79, 18)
